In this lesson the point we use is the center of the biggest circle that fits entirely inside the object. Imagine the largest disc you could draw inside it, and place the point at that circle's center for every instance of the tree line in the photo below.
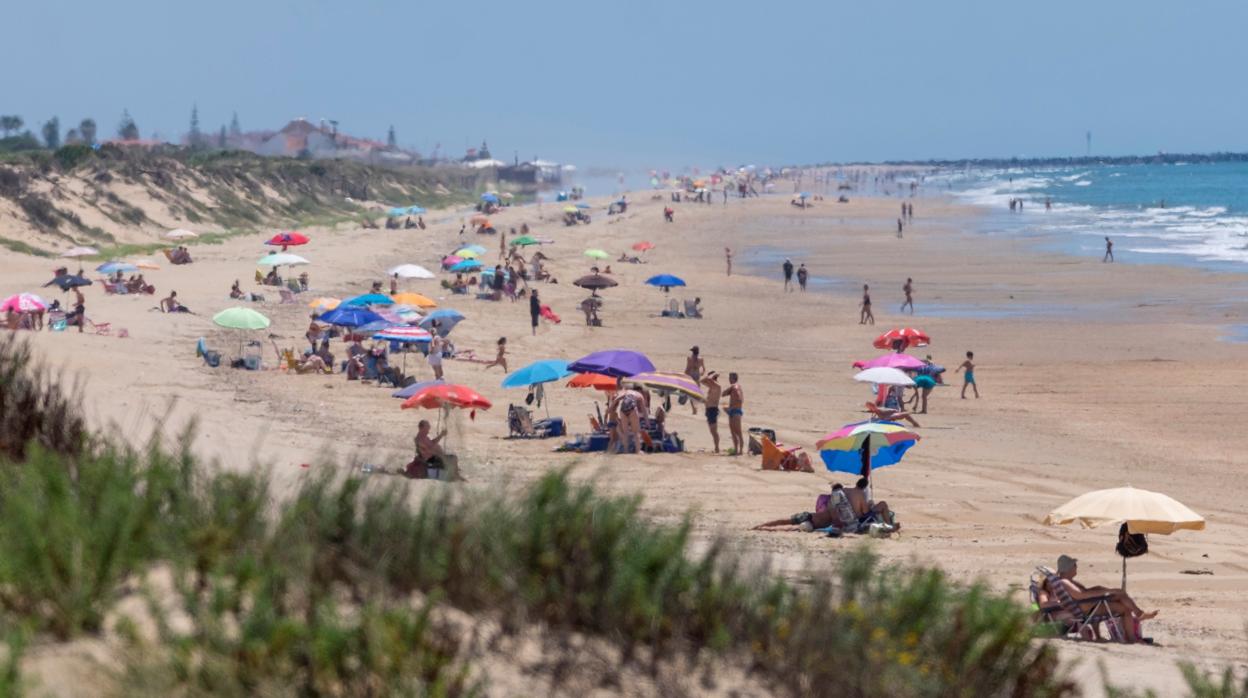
(87, 133)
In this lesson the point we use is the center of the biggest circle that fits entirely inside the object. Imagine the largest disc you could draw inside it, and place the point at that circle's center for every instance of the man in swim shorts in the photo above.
(713, 392)
(736, 401)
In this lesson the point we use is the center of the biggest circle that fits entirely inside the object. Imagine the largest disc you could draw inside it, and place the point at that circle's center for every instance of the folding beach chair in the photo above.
(1074, 617)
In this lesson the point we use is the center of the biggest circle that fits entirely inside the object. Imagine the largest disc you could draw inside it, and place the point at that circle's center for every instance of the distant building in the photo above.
(302, 138)
(534, 172)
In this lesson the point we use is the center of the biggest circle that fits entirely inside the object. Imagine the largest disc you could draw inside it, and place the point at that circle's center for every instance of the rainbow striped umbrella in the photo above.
(886, 442)
(404, 334)
(668, 382)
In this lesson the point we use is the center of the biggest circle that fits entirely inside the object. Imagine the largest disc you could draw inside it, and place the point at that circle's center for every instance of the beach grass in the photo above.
(23, 247)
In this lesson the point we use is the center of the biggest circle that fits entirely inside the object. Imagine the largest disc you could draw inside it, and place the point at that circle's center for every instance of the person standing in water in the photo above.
(968, 377)
(1109, 250)
(802, 276)
(866, 314)
(899, 227)
(788, 274)
(908, 289)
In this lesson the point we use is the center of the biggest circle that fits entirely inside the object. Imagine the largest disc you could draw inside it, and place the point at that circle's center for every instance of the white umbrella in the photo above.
(410, 271)
(278, 259)
(80, 252)
(181, 234)
(883, 375)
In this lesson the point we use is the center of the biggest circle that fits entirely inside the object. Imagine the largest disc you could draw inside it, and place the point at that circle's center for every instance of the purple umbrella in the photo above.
(613, 362)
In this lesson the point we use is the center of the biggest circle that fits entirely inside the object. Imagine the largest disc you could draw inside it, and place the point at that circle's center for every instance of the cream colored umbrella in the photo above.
(1143, 512)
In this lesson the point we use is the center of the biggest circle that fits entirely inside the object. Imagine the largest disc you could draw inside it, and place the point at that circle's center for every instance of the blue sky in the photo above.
(653, 84)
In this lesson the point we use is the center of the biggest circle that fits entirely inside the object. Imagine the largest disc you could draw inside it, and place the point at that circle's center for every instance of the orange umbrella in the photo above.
(593, 380)
(479, 220)
(414, 299)
(447, 395)
(643, 246)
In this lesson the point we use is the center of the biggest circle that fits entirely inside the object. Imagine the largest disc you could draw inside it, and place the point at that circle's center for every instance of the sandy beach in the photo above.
(1092, 375)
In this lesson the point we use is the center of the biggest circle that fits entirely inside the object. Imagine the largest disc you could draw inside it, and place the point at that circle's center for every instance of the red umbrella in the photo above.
(593, 380)
(447, 395)
(909, 337)
(288, 239)
(643, 246)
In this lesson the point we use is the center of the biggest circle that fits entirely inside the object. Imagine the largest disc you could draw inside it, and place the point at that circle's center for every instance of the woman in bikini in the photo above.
(501, 358)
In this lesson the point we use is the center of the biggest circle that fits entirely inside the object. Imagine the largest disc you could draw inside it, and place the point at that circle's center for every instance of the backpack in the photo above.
(1131, 544)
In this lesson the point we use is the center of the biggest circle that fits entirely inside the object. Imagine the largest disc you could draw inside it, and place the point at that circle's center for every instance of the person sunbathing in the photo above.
(311, 363)
(888, 414)
(1119, 602)
(869, 511)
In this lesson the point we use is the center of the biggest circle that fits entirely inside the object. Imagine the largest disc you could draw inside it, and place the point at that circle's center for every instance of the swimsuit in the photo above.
(712, 415)
(970, 377)
(735, 411)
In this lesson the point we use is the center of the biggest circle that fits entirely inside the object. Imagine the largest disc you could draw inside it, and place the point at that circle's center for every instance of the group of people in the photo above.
(843, 511)
(803, 275)
(695, 368)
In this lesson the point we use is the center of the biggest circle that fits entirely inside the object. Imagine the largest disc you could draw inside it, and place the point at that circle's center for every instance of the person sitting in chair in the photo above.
(429, 452)
(1119, 603)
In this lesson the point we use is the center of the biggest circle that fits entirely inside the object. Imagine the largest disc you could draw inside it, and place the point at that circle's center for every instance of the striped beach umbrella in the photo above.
(405, 334)
(669, 383)
(885, 443)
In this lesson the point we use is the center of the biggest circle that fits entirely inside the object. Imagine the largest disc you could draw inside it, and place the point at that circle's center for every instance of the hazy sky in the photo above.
(653, 84)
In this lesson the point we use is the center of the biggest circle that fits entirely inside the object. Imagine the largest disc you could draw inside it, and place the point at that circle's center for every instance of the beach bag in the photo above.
(1131, 544)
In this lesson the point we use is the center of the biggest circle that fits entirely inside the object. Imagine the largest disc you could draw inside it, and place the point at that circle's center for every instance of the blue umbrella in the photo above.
(396, 212)
(378, 326)
(466, 265)
(369, 299)
(537, 372)
(446, 318)
(350, 316)
(114, 267)
(414, 388)
(489, 198)
(804, 195)
(416, 210)
(665, 281)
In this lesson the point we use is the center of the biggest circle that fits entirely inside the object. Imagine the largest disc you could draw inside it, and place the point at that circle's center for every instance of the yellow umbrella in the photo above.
(324, 304)
(414, 299)
(467, 253)
(1143, 512)
(146, 264)
(569, 209)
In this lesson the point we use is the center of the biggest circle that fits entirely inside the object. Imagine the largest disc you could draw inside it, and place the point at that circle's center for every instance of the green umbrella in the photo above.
(526, 240)
(597, 254)
(237, 318)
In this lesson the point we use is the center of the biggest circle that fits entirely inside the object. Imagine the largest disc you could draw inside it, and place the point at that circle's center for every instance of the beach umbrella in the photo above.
(450, 260)
(883, 375)
(369, 299)
(288, 239)
(68, 281)
(613, 362)
(410, 271)
(669, 383)
(894, 360)
(480, 219)
(597, 381)
(446, 318)
(23, 303)
(804, 195)
(475, 248)
(415, 388)
(277, 259)
(114, 267)
(597, 254)
(1141, 510)
(404, 334)
(241, 319)
(489, 198)
(414, 299)
(858, 448)
(537, 372)
(416, 210)
(147, 264)
(909, 337)
(582, 205)
(446, 395)
(665, 281)
(643, 246)
(525, 241)
(595, 282)
(181, 234)
(466, 265)
(396, 212)
(80, 252)
(465, 253)
(406, 314)
(350, 316)
(322, 305)
(569, 209)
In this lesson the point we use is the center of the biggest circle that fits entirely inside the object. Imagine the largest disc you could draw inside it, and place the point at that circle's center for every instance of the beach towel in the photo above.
(550, 314)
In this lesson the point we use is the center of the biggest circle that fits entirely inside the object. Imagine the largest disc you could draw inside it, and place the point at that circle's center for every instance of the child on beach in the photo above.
(969, 377)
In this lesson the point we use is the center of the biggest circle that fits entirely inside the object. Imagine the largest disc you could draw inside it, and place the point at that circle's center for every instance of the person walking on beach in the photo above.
(968, 378)
(535, 310)
(908, 289)
(501, 358)
(1109, 250)
(436, 348)
(736, 404)
(695, 366)
(802, 275)
(899, 226)
(713, 392)
(728, 258)
(788, 274)
(866, 315)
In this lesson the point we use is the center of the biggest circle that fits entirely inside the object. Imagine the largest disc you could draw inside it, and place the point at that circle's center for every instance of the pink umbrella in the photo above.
(451, 260)
(23, 303)
(901, 361)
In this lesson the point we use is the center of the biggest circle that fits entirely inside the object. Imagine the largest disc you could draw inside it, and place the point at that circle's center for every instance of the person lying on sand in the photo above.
(839, 514)
(236, 291)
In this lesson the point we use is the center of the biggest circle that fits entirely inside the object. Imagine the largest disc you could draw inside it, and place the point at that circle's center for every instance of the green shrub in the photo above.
(73, 155)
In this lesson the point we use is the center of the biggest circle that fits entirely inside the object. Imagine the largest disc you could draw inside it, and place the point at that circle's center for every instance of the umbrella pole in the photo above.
(1124, 574)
